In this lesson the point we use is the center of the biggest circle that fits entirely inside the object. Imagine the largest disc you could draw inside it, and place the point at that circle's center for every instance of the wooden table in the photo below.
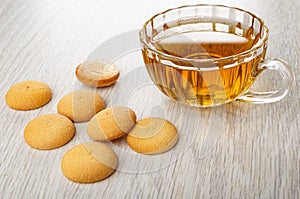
(238, 150)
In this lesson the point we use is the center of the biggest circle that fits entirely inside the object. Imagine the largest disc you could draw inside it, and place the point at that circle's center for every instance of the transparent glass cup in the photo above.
(217, 67)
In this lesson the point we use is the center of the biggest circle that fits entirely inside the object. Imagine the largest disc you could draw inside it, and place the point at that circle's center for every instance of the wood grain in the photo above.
(238, 150)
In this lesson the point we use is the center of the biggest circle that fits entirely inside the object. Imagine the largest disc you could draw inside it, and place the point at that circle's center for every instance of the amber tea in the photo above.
(207, 55)
(218, 83)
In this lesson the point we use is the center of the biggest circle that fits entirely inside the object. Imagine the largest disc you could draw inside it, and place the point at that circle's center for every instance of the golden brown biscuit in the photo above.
(97, 73)
(28, 95)
(81, 105)
(111, 123)
(89, 162)
(49, 131)
(152, 136)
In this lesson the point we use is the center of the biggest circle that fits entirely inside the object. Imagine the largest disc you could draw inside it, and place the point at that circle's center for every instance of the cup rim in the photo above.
(254, 48)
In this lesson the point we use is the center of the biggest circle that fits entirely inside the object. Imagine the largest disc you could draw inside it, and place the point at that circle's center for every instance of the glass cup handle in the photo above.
(288, 76)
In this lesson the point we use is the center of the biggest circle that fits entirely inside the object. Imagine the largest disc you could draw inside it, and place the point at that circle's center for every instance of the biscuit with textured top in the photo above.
(89, 162)
(111, 123)
(81, 105)
(49, 131)
(152, 136)
(28, 95)
(97, 73)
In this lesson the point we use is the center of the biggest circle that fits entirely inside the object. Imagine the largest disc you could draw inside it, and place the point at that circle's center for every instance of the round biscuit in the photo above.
(81, 105)
(89, 162)
(152, 136)
(111, 123)
(49, 131)
(28, 95)
(97, 73)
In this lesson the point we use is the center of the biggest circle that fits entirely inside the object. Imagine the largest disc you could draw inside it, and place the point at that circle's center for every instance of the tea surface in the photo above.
(204, 44)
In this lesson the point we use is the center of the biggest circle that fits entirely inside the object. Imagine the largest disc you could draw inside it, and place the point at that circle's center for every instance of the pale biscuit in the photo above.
(28, 95)
(89, 162)
(81, 105)
(97, 73)
(111, 123)
(49, 131)
(152, 136)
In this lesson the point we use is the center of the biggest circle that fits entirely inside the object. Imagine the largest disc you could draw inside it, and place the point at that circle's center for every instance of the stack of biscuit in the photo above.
(92, 161)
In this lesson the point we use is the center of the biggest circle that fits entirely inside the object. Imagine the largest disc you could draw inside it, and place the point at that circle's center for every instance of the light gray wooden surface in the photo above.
(237, 150)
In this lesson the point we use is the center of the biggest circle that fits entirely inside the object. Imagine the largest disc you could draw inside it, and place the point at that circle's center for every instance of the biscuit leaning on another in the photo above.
(81, 105)
(28, 95)
(49, 131)
(111, 123)
(97, 73)
(89, 162)
(152, 136)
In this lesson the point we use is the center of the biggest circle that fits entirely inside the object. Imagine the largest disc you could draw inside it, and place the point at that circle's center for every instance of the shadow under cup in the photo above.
(208, 55)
